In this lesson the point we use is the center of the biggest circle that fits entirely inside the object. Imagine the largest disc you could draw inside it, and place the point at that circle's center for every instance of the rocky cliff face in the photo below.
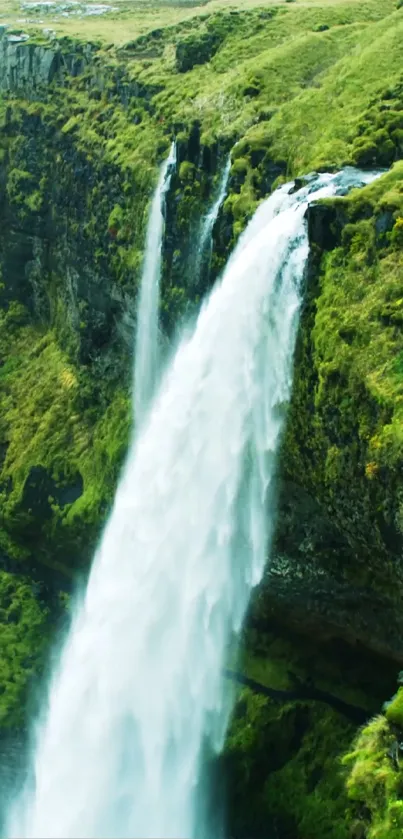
(29, 65)
(343, 432)
(61, 298)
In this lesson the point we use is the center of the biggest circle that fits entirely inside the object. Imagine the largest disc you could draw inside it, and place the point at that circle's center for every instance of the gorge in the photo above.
(280, 91)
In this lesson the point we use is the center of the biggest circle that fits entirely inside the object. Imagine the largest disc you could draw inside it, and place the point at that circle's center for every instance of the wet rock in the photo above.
(312, 586)
(325, 224)
(299, 183)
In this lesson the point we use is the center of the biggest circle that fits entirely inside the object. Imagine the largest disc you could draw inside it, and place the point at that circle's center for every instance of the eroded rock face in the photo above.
(324, 226)
(313, 583)
(70, 264)
(337, 559)
(27, 67)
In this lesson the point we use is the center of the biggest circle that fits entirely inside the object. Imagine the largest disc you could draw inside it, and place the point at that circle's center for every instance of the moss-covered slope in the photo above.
(283, 88)
(375, 776)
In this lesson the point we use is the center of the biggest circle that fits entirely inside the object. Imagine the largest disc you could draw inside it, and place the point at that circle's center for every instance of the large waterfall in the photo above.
(138, 697)
(146, 355)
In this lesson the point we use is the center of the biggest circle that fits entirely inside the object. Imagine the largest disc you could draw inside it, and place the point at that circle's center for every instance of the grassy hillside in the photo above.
(130, 18)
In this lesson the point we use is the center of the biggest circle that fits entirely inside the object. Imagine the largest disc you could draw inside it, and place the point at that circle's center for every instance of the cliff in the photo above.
(83, 127)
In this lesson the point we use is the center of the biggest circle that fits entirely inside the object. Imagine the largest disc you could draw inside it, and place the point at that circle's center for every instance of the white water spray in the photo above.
(139, 690)
(146, 359)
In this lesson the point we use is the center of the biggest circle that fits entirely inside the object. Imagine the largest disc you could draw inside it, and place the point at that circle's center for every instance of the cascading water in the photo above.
(205, 245)
(139, 690)
(146, 354)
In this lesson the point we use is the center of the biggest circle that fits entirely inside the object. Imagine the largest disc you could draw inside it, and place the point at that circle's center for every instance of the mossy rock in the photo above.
(343, 431)
(28, 620)
(196, 50)
(284, 771)
(283, 756)
(394, 710)
(375, 782)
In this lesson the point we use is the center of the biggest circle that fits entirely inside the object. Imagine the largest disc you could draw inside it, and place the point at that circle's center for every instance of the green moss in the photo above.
(294, 88)
(284, 757)
(72, 422)
(375, 782)
(187, 172)
(25, 628)
(397, 233)
(34, 201)
(16, 184)
(24, 191)
(344, 431)
(54, 424)
(394, 711)
(280, 660)
(284, 768)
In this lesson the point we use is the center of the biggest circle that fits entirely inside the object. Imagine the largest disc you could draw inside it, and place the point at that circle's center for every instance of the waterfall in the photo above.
(205, 247)
(139, 696)
(146, 350)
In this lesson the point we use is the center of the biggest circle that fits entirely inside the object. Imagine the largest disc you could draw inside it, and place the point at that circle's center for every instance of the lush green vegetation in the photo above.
(285, 771)
(285, 88)
(49, 423)
(25, 629)
(344, 432)
(286, 759)
(374, 783)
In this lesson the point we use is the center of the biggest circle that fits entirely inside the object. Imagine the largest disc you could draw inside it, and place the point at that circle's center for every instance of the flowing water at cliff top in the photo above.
(205, 244)
(138, 698)
(146, 358)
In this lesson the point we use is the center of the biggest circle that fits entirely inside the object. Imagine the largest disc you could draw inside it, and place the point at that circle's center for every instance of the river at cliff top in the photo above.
(66, 9)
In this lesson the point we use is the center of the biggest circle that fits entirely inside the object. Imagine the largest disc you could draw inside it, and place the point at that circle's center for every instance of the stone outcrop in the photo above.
(27, 66)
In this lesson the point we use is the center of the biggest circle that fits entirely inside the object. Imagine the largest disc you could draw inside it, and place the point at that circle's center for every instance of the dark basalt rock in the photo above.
(313, 582)
(324, 226)
(40, 486)
(301, 692)
(383, 225)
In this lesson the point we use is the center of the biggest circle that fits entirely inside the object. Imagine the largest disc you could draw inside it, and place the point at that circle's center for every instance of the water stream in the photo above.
(205, 244)
(139, 693)
(146, 356)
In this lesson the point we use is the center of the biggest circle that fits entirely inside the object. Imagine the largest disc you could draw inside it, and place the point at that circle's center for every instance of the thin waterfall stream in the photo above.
(205, 244)
(146, 357)
(139, 692)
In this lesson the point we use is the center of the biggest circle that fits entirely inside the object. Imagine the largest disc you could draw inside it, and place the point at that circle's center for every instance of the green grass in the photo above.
(134, 18)
(319, 128)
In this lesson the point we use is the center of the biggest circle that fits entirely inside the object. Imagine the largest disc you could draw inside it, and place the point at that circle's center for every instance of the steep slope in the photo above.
(285, 89)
